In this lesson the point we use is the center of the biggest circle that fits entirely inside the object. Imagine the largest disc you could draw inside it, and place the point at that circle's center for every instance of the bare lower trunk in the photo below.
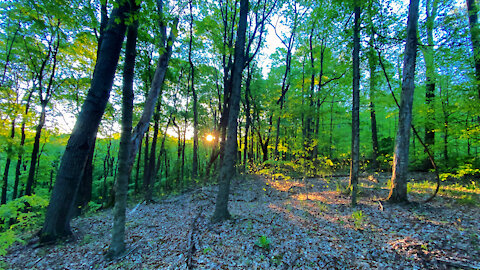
(398, 188)
(7, 167)
(475, 38)
(117, 246)
(228, 165)
(57, 218)
(356, 105)
(36, 148)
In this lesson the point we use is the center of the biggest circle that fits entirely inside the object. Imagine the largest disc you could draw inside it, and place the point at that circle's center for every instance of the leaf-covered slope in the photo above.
(278, 224)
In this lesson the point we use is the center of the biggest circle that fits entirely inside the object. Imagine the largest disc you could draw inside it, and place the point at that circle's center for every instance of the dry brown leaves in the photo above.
(308, 225)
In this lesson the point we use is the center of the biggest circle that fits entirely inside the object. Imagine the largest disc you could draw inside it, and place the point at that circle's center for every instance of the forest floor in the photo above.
(277, 224)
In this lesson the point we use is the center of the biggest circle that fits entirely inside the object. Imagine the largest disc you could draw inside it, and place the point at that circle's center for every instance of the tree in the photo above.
(57, 218)
(398, 188)
(429, 57)
(117, 245)
(475, 38)
(44, 96)
(195, 99)
(228, 164)
(354, 165)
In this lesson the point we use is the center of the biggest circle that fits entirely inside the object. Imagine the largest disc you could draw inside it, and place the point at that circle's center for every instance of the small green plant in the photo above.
(263, 242)
(322, 207)
(207, 250)
(87, 239)
(358, 219)
(342, 189)
(467, 200)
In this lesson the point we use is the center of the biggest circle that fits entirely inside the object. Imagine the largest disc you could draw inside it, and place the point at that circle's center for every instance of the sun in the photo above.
(209, 138)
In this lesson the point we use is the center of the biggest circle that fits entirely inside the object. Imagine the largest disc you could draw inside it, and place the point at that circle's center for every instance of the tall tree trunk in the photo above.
(22, 143)
(145, 159)
(84, 193)
(137, 172)
(156, 87)
(428, 55)
(475, 37)
(36, 148)
(398, 190)
(150, 172)
(117, 245)
(195, 100)
(228, 164)
(57, 218)
(356, 105)
(372, 61)
(7, 166)
(248, 118)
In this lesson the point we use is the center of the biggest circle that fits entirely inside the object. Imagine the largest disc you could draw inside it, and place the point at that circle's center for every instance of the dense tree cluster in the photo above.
(101, 101)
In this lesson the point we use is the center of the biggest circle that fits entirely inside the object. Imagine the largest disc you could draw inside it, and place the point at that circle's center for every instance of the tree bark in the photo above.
(428, 55)
(7, 166)
(228, 164)
(84, 193)
(117, 245)
(194, 101)
(372, 61)
(155, 91)
(150, 172)
(58, 216)
(36, 148)
(475, 38)
(398, 190)
(22, 143)
(247, 118)
(356, 105)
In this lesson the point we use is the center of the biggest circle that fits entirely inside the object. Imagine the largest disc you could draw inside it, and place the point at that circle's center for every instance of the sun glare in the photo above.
(209, 138)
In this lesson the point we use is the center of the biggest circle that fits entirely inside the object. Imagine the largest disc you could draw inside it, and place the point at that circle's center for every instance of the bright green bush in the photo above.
(18, 217)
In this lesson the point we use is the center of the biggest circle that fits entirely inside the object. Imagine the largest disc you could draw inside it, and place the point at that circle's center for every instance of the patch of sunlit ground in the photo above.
(282, 185)
(311, 196)
(463, 194)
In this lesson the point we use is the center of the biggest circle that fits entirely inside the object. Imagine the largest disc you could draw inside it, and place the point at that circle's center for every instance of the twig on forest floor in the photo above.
(292, 263)
(380, 206)
(191, 239)
(135, 208)
(37, 261)
(457, 263)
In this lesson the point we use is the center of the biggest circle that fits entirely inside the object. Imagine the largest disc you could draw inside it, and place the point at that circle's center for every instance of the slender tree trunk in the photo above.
(157, 83)
(228, 165)
(475, 37)
(7, 167)
(138, 168)
(354, 165)
(22, 143)
(145, 160)
(248, 118)
(428, 55)
(398, 190)
(195, 100)
(36, 148)
(150, 173)
(373, 117)
(117, 245)
(58, 216)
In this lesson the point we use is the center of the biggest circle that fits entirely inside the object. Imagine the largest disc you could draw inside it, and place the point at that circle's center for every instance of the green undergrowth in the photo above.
(301, 167)
(20, 217)
(463, 194)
